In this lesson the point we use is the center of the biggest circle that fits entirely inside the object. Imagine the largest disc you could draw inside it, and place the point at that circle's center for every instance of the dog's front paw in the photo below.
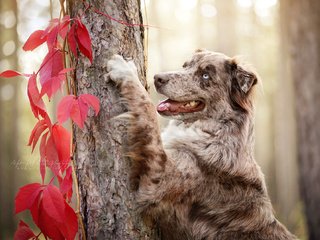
(120, 70)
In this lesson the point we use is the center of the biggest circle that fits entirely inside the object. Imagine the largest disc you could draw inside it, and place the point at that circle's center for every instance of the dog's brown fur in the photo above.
(199, 180)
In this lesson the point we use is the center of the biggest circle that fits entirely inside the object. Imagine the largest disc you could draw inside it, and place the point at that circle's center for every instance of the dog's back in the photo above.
(199, 180)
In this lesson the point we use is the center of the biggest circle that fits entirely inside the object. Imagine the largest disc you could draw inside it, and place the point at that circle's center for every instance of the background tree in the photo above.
(8, 115)
(285, 145)
(107, 205)
(302, 21)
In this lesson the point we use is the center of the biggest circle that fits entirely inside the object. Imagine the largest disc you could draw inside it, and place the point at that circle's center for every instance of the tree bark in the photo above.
(107, 205)
(304, 42)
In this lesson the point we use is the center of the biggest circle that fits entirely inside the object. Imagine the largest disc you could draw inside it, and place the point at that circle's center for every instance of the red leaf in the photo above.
(70, 228)
(26, 196)
(34, 209)
(52, 24)
(11, 73)
(51, 155)
(36, 133)
(23, 232)
(47, 120)
(83, 40)
(35, 40)
(92, 101)
(69, 108)
(72, 40)
(66, 184)
(50, 68)
(64, 108)
(55, 218)
(62, 141)
(77, 108)
(63, 27)
(52, 86)
(43, 156)
(46, 224)
(53, 203)
(49, 226)
(36, 102)
(80, 113)
(52, 40)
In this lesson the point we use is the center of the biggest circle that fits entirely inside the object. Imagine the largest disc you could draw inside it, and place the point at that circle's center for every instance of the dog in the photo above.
(198, 179)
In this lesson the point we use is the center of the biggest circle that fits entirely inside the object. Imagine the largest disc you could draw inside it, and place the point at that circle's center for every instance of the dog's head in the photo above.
(209, 85)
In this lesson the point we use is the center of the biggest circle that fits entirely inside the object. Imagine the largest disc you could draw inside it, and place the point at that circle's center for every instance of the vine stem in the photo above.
(114, 19)
(68, 87)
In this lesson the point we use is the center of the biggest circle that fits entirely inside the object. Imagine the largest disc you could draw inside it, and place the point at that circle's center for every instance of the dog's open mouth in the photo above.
(170, 107)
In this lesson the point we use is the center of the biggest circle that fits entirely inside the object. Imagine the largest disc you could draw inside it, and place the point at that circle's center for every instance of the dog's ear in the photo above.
(242, 76)
(242, 81)
(245, 79)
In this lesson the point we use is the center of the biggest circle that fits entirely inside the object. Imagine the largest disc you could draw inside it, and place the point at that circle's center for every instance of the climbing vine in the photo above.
(49, 202)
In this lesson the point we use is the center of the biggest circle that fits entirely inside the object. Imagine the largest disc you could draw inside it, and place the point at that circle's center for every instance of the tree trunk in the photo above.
(107, 205)
(304, 41)
(285, 162)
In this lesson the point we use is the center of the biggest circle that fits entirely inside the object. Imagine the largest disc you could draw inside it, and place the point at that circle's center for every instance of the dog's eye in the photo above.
(205, 76)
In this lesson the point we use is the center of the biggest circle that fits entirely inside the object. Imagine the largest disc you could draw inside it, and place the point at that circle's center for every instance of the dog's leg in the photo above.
(144, 145)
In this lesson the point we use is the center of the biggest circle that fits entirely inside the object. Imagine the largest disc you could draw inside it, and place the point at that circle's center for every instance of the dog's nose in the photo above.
(160, 79)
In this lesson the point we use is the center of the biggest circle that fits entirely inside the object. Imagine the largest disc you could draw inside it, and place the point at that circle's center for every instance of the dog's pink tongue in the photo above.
(168, 106)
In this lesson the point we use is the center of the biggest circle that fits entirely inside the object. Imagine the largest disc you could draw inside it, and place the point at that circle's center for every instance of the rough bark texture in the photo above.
(107, 205)
(304, 41)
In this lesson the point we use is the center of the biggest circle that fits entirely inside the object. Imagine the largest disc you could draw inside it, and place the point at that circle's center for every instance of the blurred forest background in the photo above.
(250, 28)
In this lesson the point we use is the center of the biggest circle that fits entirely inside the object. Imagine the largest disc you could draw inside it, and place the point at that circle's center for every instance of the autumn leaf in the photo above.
(77, 108)
(54, 146)
(51, 156)
(49, 210)
(64, 27)
(72, 40)
(12, 73)
(38, 129)
(26, 197)
(23, 232)
(43, 163)
(91, 100)
(36, 102)
(53, 203)
(50, 72)
(35, 40)
(57, 28)
(83, 40)
(62, 139)
(51, 86)
(66, 184)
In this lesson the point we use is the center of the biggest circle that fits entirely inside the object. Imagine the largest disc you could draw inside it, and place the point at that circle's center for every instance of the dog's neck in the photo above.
(225, 143)
(236, 127)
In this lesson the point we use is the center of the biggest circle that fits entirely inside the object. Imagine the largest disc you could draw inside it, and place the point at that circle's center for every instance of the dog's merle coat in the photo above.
(199, 179)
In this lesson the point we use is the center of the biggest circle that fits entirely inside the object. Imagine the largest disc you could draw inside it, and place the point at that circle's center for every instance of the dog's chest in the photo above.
(178, 135)
(183, 144)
